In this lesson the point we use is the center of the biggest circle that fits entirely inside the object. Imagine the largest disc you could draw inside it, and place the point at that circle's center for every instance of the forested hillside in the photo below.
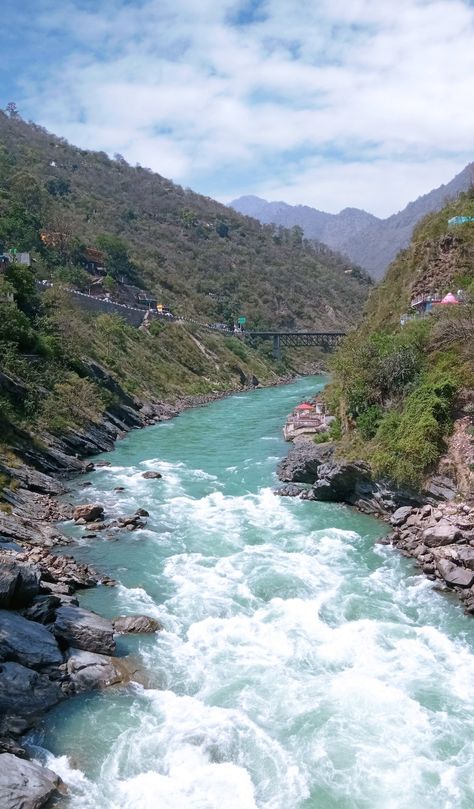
(404, 381)
(204, 259)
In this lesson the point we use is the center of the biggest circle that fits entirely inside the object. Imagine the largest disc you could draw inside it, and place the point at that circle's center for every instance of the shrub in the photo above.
(368, 422)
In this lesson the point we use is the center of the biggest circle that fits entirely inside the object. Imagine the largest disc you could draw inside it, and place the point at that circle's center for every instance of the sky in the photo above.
(328, 103)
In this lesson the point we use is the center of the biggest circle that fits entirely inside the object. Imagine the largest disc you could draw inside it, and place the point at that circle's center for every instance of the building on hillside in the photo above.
(15, 257)
(94, 261)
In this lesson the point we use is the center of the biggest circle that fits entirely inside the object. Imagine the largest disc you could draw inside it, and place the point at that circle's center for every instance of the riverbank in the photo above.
(434, 526)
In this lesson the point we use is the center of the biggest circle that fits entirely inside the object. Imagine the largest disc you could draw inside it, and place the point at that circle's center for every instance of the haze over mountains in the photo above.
(369, 241)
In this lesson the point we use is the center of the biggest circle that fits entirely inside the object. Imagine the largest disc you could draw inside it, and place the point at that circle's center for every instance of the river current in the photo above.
(302, 665)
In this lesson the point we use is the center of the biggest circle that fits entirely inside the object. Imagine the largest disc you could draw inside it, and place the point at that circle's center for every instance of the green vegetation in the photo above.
(91, 222)
(397, 389)
(202, 259)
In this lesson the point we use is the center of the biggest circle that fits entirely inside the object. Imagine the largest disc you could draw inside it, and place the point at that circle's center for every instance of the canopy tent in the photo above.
(449, 298)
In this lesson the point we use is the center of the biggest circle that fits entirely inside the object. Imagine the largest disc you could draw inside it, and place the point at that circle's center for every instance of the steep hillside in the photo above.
(369, 241)
(71, 380)
(201, 258)
(400, 390)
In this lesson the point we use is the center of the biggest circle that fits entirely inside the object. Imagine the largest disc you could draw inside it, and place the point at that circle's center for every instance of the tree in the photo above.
(12, 110)
(118, 262)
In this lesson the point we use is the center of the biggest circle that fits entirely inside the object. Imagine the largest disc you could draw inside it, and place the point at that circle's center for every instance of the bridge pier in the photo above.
(277, 346)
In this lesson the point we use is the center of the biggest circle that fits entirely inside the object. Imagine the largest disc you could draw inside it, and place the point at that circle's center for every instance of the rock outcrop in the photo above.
(136, 623)
(84, 630)
(441, 539)
(25, 784)
(303, 461)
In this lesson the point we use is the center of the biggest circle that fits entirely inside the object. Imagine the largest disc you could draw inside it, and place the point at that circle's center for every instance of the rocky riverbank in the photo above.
(434, 526)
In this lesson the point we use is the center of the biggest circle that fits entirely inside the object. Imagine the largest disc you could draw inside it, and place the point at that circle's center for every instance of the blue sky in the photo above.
(364, 103)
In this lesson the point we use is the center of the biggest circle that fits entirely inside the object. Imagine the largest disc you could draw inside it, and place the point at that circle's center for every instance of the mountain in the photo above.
(208, 261)
(367, 240)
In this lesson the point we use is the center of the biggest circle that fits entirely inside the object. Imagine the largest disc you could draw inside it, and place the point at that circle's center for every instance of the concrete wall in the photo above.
(91, 304)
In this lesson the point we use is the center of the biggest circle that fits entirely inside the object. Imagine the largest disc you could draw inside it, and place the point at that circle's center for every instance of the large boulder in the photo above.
(25, 784)
(88, 512)
(455, 574)
(442, 533)
(400, 516)
(88, 670)
(338, 481)
(152, 475)
(27, 642)
(19, 583)
(303, 461)
(136, 623)
(24, 697)
(42, 609)
(85, 630)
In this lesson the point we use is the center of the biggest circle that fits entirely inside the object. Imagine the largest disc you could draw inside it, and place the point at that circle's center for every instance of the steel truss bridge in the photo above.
(295, 339)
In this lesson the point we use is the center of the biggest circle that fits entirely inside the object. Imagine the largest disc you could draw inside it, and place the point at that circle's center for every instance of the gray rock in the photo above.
(136, 623)
(454, 574)
(152, 475)
(337, 481)
(32, 532)
(401, 515)
(84, 630)
(24, 697)
(27, 642)
(290, 490)
(42, 609)
(88, 670)
(303, 461)
(19, 583)
(443, 533)
(25, 784)
(441, 487)
(465, 555)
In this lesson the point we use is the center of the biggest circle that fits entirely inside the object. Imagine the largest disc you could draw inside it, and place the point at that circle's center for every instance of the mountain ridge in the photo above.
(366, 239)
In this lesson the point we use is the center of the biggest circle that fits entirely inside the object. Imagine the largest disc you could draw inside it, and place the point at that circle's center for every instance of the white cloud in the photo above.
(332, 97)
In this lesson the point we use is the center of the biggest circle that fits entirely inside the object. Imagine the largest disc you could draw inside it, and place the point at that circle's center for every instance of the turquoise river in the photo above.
(302, 665)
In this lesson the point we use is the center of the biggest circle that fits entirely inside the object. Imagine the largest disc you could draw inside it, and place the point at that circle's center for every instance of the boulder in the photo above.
(25, 784)
(19, 583)
(85, 630)
(27, 642)
(42, 609)
(455, 574)
(136, 623)
(338, 480)
(441, 487)
(401, 515)
(290, 490)
(152, 475)
(24, 697)
(88, 670)
(443, 533)
(88, 512)
(465, 555)
(303, 461)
